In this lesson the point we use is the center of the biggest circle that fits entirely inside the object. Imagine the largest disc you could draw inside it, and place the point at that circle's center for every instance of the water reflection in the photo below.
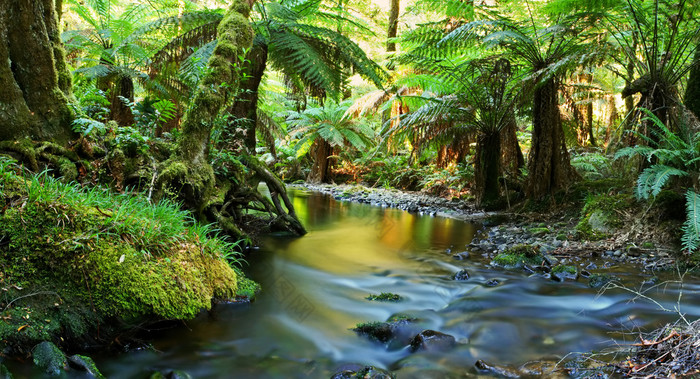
(315, 289)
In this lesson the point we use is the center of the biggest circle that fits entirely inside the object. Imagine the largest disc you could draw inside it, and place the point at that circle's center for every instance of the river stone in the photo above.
(431, 340)
(4, 372)
(498, 371)
(352, 371)
(86, 364)
(461, 275)
(461, 256)
(598, 222)
(49, 358)
(492, 283)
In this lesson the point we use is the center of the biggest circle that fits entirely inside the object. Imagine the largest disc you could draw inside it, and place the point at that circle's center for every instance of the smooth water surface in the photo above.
(314, 291)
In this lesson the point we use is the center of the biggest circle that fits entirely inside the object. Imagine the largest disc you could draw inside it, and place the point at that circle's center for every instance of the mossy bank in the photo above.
(82, 267)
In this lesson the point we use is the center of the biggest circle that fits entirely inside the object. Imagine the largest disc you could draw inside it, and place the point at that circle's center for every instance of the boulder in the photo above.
(431, 340)
(49, 358)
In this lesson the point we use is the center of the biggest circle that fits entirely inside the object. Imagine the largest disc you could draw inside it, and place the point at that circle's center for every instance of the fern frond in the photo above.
(691, 227)
(652, 180)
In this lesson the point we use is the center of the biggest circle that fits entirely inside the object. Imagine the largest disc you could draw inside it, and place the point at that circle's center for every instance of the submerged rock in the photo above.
(86, 364)
(431, 340)
(461, 256)
(49, 358)
(352, 371)
(499, 371)
(564, 272)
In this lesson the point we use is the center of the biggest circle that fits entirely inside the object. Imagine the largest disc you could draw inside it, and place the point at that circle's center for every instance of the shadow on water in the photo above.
(314, 291)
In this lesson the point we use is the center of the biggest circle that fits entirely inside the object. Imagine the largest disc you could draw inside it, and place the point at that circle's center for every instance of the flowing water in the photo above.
(315, 289)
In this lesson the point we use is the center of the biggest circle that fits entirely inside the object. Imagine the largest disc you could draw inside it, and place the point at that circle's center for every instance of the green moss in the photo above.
(73, 261)
(601, 215)
(517, 256)
(384, 296)
(86, 364)
(600, 280)
(539, 231)
(560, 269)
(49, 358)
(247, 289)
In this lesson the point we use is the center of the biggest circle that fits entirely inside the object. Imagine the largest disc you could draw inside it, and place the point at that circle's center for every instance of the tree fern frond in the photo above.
(652, 180)
(691, 227)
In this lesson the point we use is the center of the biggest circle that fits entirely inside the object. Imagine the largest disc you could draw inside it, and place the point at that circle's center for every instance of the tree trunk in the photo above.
(189, 172)
(487, 168)
(122, 87)
(549, 165)
(34, 82)
(245, 108)
(692, 92)
(321, 167)
(393, 25)
(512, 159)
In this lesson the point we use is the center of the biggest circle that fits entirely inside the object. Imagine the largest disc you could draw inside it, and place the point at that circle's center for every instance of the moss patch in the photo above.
(74, 262)
(517, 256)
(600, 216)
(384, 296)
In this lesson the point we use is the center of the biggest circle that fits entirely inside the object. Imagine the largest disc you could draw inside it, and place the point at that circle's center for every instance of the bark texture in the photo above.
(34, 80)
(245, 108)
(487, 168)
(393, 25)
(692, 92)
(549, 164)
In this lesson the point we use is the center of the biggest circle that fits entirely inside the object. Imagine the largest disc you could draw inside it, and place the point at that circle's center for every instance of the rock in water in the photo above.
(49, 358)
(431, 340)
(461, 275)
(501, 372)
(86, 364)
(352, 371)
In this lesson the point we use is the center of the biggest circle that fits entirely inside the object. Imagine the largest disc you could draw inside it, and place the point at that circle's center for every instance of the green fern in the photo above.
(652, 180)
(691, 228)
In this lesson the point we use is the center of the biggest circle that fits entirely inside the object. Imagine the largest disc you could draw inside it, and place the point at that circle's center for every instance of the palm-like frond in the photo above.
(652, 180)
(691, 227)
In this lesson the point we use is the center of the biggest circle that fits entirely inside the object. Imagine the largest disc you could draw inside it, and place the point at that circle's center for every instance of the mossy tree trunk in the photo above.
(549, 165)
(487, 168)
(34, 81)
(188, 173)
(245, 108)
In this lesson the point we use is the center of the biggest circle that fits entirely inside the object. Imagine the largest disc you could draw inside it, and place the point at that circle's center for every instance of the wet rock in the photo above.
(503, 372)
(352, 371)
(4, 372)
(564, 272)
(86, 364)
(174, 374)
(461, 275)
(396, 332)
(599, 280)
(461, 256)
(49, 358)
(431, 340)
(492, 283)
(591, 266)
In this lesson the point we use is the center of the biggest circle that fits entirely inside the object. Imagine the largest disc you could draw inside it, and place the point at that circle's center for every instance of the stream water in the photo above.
(315, 289)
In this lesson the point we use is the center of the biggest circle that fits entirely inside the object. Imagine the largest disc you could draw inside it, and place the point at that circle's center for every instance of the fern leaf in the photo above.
(691, 227)
(652, 180)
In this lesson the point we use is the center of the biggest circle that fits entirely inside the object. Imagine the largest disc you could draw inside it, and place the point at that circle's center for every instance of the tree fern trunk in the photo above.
(549, 164)
(692, 91)
(487, 168)
(393, 25)
(512, 159)
(34, 81)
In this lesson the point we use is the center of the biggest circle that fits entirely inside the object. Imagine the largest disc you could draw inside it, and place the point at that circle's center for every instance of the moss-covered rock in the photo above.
(517, 256)
(600, 217)
(85, 364)
(49, 358)
(600, 280)
(384, 296)
(75, 261)
(564, 272)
